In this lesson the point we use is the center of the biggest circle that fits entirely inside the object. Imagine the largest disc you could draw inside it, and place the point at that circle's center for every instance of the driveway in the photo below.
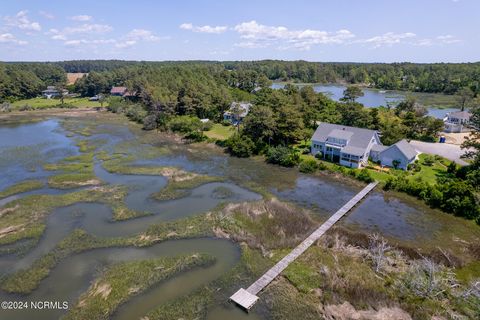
(446, 150)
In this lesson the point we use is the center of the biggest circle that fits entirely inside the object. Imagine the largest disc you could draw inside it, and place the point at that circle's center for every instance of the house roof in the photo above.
(118, 90)
(359, 138)
(244, 106)
(405, 148)
(353, 150)
(460, 115)
(340, 134)
(378, 147)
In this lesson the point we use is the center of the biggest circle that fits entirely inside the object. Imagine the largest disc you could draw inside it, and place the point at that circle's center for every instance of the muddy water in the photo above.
(22, 159)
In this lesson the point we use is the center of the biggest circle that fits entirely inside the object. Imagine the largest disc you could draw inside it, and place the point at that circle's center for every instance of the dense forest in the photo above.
(23, 80)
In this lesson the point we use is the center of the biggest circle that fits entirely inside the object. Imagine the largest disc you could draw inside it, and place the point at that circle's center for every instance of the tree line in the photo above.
(24, 80)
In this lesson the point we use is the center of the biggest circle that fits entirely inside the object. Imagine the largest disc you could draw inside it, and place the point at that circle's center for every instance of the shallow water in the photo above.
(397, 218)
(24, 148)
(372, 98)
(73, 276)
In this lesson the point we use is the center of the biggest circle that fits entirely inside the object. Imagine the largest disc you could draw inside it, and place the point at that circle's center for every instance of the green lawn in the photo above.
(430, 173)
(39, 103)
(220, 132)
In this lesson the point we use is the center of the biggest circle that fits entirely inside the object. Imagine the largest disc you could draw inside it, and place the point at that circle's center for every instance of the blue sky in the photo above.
(322, 30)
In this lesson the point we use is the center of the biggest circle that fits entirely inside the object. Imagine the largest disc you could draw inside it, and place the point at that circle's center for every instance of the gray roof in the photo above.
(243, 106)
(340, 134)
(353, 150)
(378, 147)
(360, 138)
(460, 115)
(405, 148)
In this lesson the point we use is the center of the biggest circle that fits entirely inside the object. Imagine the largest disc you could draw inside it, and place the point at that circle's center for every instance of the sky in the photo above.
(321, 30)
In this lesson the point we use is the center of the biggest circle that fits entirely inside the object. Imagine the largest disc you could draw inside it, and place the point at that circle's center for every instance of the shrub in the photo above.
(25, 107)
(116, 104)
(135, 113)
(319, 155)
(321, 166)
(185, 124)
(364, 175)
(240, 145)
(452, 167)
(283, 156)
(308, 166)
(428, 160)
(150, 122)
(5, 107)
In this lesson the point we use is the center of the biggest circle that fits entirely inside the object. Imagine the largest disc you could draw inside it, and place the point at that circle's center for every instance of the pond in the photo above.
(50, 142)
(372, 98)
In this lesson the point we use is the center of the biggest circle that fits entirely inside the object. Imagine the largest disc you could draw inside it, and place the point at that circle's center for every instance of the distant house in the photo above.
(52, 92)
(346, 145)
(236, 112)
(118, 91)
(398, 155)
(457, 121)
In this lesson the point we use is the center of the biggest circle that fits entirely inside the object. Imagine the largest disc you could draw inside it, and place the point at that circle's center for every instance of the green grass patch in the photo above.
(20, 187)
(220, 132)
(121, 281)
(469, 272)
(178, 189)
(430, 173)
(42, 103)
(73, 180)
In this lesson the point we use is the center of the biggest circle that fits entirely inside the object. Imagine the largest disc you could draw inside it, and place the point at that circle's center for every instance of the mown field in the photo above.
(41, 103)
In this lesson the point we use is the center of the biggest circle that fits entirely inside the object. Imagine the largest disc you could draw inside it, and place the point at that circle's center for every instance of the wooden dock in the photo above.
(246, 298)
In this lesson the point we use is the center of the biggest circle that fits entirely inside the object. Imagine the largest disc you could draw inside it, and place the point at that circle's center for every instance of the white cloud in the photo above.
(388, 39)
(203, 29)
(81, 17)
(10, 38)
(137, 35)
(21, 21)
(448, 39)
(78, 42)
(46, 15)
(257, 36)
(84, 29)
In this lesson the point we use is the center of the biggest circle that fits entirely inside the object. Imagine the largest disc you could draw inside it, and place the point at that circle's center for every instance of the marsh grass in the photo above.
(26, 215)
(24, 186)
(27, 280)
(176, 189)
(121, 281)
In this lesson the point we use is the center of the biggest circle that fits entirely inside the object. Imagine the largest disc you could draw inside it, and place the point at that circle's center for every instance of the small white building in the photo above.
(237, 112)
(457, 121)
(53, 92)
(398, 155)
(349, 146)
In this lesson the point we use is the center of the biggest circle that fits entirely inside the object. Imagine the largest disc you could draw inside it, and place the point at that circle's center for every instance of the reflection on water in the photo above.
(390, 216)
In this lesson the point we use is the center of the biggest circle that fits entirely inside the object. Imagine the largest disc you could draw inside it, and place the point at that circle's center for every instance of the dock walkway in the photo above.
(246, 298)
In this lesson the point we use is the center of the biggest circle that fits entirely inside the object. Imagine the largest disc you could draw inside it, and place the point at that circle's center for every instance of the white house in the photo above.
(52, 92)
(346, 145)
(457, 121)
(236, 112)
(398, 155)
